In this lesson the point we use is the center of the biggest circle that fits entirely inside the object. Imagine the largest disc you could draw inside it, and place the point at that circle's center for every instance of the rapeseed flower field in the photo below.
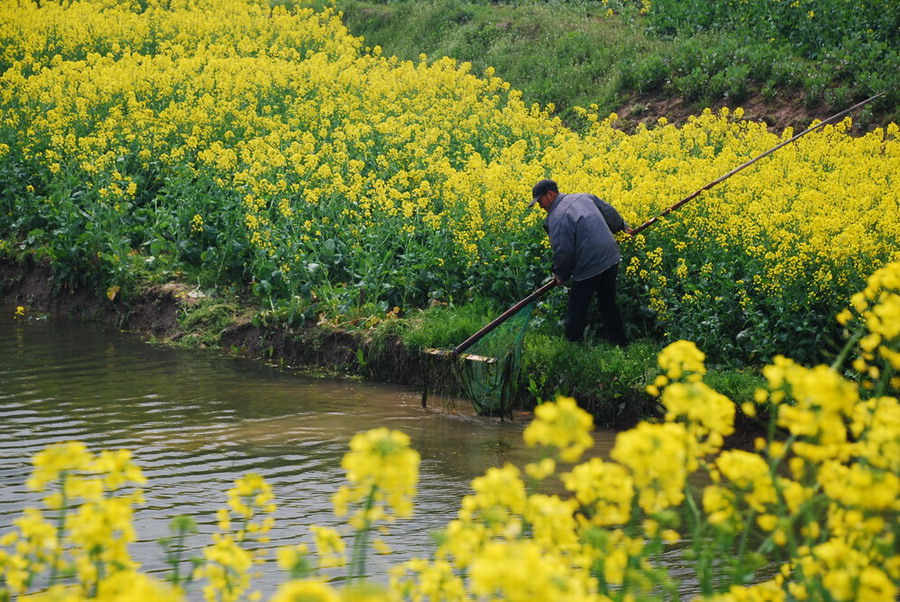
(236, 143)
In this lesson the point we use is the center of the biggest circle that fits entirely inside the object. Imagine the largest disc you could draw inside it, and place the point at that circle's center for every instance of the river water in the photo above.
(197, 421)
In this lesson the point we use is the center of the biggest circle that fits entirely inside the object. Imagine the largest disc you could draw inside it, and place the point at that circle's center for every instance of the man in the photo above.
(581, 228)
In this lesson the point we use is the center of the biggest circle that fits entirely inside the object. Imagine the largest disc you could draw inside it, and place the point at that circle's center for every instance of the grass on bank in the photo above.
(607, 53)
(608, 381)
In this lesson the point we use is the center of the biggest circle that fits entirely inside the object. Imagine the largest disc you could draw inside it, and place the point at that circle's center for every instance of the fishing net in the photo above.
(488, 369)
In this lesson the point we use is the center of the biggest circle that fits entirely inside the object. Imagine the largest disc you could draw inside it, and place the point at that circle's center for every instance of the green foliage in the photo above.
(833, 50)
(738, 385)
(564, 54)
(205, 321)
(445, 327)
(607, 380)
(829, 52)
(811, 27)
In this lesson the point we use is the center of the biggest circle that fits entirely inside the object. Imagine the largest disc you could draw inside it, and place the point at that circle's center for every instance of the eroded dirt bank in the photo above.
(159, 312)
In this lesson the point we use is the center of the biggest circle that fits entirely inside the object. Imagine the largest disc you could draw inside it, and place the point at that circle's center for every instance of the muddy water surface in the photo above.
(197, 421)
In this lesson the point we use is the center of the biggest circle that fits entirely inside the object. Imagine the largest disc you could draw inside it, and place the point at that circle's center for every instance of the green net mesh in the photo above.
(488, 369)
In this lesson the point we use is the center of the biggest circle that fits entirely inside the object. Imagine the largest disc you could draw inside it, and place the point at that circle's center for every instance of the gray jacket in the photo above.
(581, 228)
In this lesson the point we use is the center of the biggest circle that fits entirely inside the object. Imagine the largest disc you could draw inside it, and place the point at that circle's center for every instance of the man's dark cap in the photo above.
(540, 189)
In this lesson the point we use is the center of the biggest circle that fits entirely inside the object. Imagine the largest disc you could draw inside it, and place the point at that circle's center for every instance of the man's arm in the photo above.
(612, 217)
(562, 241)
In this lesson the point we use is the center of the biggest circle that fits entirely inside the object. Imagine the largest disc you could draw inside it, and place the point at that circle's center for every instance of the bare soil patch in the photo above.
(787, 109)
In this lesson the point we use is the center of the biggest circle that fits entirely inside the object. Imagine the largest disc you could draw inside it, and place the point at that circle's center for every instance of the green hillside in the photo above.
(786, 63)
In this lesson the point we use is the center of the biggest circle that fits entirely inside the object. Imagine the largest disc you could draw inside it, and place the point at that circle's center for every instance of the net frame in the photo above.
(490, 368)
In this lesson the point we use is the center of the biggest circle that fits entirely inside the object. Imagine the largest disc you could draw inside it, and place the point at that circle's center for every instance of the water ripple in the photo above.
(197, 422)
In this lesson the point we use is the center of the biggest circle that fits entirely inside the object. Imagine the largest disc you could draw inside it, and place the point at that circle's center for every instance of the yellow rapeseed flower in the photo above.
(562, 425)
(312, 590)
(383, 472)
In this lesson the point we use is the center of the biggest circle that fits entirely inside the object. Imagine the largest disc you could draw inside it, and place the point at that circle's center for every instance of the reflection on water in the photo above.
(197, 421)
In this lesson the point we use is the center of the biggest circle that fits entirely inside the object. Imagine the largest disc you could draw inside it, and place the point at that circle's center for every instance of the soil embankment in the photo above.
(155, 311)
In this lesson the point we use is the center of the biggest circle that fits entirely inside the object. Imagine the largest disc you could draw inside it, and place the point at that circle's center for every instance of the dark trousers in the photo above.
(581, 292)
